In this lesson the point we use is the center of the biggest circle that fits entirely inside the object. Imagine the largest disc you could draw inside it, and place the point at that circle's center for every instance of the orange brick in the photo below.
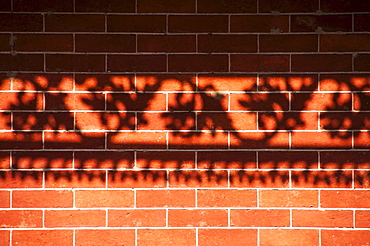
(21, 140)
(104, 121)
(344, 238)
(322, 101)
(74, 218)
(105, 237)
(103, 159)
(104, 82)
(259, 218)
(257, 179)
(226, 237)
(326, 218)
(165, 198)
(226, 160)
(173, 237)
(345, 159)
(137, 179)
(322, 179)
(163, 82)
(104, 198)
(4, 199)
(227, 82)
(184, 179)
(288, 82)
(226, 121)
(42, 237)
(362, 218)
(199, 140)
(74, 140)
(227, 198)
(210, 101)
(288, 121)
(166, 121)
(362, 140)
(165, 159)
(345, 199)
(43, 82)
(20, 218)
(137, 218)
(288, 198)
(21, 101)
(42, 121)
(136, 102)
(42, 199)
(259, 140)
(259, 102)
(287, 159)
(20, 179)
(74, 101)
(4, 160)
(197, 218)
(362, 179)
(137, 140)
(5, 121)
(319, 140)
(42, 159)
(75, 179)
(5, 237)
(290, 237)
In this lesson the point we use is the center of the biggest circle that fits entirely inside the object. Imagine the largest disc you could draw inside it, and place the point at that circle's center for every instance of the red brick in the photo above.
(257, 179)
(205, 23)
(166, 121)
(227, 43)
(322, 101)
(4, 160)
(75, 179)
(292, 237)
(255, 23)
(226, 198)
(226, 237)
(105, 43)
(165, 6)
(104, 198)
(362, 179)
(4, 199)
(361, 101)
(5, 121)
(360, 22)
(362, 218)
(21, 22)
(137, 218)
(344, 6)
(44, 42)
(345, 199)
(42, 237)
(344, 121)
(198, 101)
(136, 23)
(42, 6)
(74, 218)
(5, 45)
(362, 141)
(136, 102)
(226, 121)
(342, 82)
(136, 63)
(321, 63)
(20, 179)
(361, 62)
(109, 6)
(20, 140)
(259, 63)
(259, 102)
(26, 62)
(288, 43)
(259, 218)
(226, 160)
(283, 159)
(322, 218)
(74, 23)
(200, 140)
(6, 7)
(104, 82)
(165, 159)
(105, 121)
(165, 198)
(43, 82)
(344, 238)
(137, 179)
(42, 121)
(20, 218)
(345, 160)
(74, 101)
(166, 43)
(224, 6)
(259, 140)
(74, 140)
(173, 237)
(283, 82)
(123, 237)
(185, 179)
(5, 82)
(137, 140)
(345, 43)
(197, 218)
(164, 82)
(319, 23)
(288, 121)
(321, 179)
(42, 199)
(291, 6)
(103, 159)
(75, 63)
(21, 101)
(319, 140)
(227, 82)
(288, 198)
(198, 63)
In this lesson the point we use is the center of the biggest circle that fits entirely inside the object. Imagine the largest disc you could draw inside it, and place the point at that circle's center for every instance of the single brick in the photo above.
(20, 179)
(136, 63)
(345, 43)
(212, 178)
(259, 179)
(21, 140)
(42, 199)
(362, 218)
(321, 63)
(29, 101)
(105, 43)
(74, 140)
(104, 82)
(224, 6)
(288, 43)
(21, 22)
(165, 159)
(200, 140)
(279, 237)
(136, 23)
(226, 160)
(4, 199)
(256, 23)
(109, 6)
(197, 218)
(165, 6)
(259, 218)
(259, 140)
(290, 6)
(75, 63)
(226, 237)
(74, 101)
(74, 218)
(137, 218)
(44, 42)
(20, 218)
(104, 121)
(321, 23)
(259, 63)
(361, 22)
(74, 23)
(43, 82)
(75, 179)
(284, 159)
(137, 140)
(345, 159)
(25, 62)
(42, 237)
(344, 199)
(137, 179)
(166, 43)
(165, 198)
(198, 63)
(103, 159)
(344, 6)
(173, 237)
(325, 218)
(205, 23)
(42, 121)
(5, 160)
(226, 198)
(288, 198)
(322, 179)
(227, 43)
(362, 178)
(322, 101)
(320, 140)
(42, 6)
(104, 198)
(227, 82)
(125, 237)
(139, 102)
(259, 102)
(165, 121)
(344, 237)
(361, 62)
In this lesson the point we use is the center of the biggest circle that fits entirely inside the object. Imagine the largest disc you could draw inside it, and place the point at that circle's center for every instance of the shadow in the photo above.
(182, 131)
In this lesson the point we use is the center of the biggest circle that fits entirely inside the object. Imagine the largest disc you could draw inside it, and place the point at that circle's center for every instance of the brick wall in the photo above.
(193, 122)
